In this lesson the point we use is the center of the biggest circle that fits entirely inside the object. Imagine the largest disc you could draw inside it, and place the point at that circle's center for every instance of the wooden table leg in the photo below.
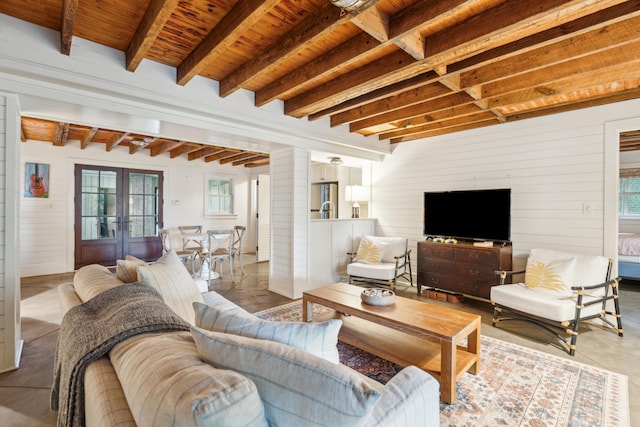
(447, 371)
(473, 346)
(307, 310)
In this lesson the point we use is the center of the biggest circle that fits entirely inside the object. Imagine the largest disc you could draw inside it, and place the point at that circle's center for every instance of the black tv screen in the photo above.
(469, 214)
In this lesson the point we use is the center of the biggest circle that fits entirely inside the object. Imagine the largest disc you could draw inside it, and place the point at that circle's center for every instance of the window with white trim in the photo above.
(218, 196)
(629, 195)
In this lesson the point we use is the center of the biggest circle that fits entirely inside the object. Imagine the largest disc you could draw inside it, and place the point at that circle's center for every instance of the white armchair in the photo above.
(380, 260)
(560, 289)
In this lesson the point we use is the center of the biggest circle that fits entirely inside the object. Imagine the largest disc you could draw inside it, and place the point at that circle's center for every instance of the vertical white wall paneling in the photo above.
(555, 166)
(10, 333)
(280, 268)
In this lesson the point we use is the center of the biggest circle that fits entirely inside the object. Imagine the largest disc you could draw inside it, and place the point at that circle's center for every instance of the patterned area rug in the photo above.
(516, 386)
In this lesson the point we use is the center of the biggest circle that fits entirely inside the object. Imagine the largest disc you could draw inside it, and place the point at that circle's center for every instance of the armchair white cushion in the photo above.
(381, 260)
(565, 289)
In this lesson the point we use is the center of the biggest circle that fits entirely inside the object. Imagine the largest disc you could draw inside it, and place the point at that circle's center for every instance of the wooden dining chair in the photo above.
(236, 247)
(219, 250)
(188, 256)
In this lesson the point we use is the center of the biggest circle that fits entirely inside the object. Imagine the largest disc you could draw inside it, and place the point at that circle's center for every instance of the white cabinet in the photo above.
(324, 172)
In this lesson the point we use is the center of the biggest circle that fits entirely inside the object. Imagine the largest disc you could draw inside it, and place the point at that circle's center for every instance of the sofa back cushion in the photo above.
(127, 269)
(320, 339)
(297, 388)
(170, 277)
(396, 246)
(92, 280)
(167, 384)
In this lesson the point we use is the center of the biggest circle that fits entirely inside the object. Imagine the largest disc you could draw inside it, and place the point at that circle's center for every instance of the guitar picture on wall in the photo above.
(36, 180)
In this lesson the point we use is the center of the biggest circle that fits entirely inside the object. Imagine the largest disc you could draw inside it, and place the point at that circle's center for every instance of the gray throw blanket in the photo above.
(90, 330)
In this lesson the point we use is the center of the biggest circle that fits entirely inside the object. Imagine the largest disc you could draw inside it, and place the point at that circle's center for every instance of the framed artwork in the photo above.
(36, 180)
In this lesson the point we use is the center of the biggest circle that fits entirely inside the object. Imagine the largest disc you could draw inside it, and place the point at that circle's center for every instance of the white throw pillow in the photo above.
(320, 339)
(297, 388)
(554, 277)
(127, 269)
(370, 251)
(170, 277)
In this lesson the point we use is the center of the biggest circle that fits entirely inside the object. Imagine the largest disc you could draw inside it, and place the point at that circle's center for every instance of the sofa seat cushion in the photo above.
(167, 384)
(521, 298)
(297, 388)
(320, 339)
(105, 404)
(92, 280)
(170, 277)
(380, 271)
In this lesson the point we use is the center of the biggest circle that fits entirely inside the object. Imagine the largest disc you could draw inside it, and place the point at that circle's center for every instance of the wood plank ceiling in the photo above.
(397, 70)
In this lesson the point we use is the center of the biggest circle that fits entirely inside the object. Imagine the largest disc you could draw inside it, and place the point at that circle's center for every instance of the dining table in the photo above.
(201, 240)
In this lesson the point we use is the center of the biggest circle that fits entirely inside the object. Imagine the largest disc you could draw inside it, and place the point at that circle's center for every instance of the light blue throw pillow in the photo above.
(320, 339)
(296, 388)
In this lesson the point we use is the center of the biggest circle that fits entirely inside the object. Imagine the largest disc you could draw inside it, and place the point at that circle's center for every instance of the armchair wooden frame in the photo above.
(567, 331)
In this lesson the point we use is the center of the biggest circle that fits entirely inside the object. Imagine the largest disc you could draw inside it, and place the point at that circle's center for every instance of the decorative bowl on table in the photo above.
(378, 296)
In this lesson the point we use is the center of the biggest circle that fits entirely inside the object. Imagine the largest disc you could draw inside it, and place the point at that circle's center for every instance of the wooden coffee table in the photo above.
(408, 332)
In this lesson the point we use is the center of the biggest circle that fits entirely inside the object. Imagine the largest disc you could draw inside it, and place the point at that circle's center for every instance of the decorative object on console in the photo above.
(378, 296)
(356, 194)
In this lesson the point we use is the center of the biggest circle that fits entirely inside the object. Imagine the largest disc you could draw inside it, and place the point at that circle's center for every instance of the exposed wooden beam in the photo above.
(162, 146)
(383, 92)
(239, 156)
(116, 139)
(324, 65)
(615, 75)
(440, 124)
(412, 111)
(443, 131)
(239, 19)
(385, 105)
(184, 148)
(373, 22)
(374, 75)
(325, 20)
(206, 150)
(60, 134)
(155, 17)
(87, 137)
(221, 155)
(69, 12)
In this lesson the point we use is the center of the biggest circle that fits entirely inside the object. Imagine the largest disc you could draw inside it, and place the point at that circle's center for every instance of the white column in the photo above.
(10, 336)
(289, 221)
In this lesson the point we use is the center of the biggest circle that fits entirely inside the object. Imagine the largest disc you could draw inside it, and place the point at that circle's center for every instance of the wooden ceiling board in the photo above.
(372, 69)
(110, 23)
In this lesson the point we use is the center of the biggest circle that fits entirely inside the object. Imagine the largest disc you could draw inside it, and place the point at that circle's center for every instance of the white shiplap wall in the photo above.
(554, 166)
(289, 221)
(47, 224)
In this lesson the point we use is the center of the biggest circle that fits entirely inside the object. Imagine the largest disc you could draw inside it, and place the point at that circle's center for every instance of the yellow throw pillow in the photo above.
(553, 277)
(371, 252)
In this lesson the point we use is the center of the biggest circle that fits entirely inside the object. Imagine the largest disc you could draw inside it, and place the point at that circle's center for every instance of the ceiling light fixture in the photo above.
(141, 142)
(335, 160)
(349, 5)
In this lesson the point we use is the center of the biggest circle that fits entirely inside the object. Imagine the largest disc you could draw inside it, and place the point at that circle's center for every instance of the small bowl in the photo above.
(378, 296)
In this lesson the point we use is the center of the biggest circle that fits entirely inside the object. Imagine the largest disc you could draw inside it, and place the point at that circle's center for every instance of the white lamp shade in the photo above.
(356, 193)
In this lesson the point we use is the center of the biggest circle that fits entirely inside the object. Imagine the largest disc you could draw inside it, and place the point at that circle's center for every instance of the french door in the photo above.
(118, 212)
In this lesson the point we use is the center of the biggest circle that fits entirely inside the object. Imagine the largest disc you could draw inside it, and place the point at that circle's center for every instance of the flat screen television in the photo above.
(474, 215)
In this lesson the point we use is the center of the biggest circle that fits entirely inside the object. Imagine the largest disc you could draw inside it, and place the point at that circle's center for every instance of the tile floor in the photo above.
(24, 393)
